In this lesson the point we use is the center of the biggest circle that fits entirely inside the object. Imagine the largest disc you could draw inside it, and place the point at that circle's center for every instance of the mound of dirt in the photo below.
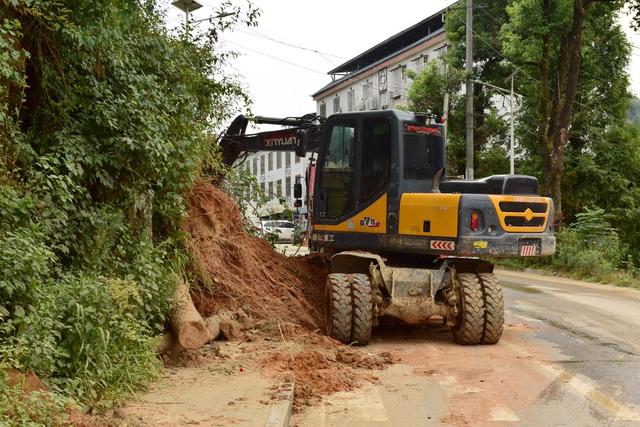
(318, 372)
(239, 271)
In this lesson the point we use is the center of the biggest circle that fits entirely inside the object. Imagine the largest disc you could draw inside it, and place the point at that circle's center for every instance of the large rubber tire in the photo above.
(493, 308)
(362, 300)
(470, 325)
(338, 307)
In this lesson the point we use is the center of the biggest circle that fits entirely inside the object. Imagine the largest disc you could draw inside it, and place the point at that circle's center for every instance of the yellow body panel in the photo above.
(440, 209)
(372, 219)
(528, 214)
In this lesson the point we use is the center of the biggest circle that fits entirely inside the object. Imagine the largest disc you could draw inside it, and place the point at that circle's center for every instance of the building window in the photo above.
(279, 188)
(262, 165)
(270, 195)
(350, 99)
(420, 63)
(382, 80)
(323, 109)
(262, 186)
(297, 159)
(367, 91)
(287, 160)
(396, 82)
(439, 56)
(279, 160)
(287, 186)
(255, 166)
(336, 104)
(270, 161)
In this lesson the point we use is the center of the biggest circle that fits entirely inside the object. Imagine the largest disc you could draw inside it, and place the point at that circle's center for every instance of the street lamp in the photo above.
(187, 6)
(512, 136)
(511, 155)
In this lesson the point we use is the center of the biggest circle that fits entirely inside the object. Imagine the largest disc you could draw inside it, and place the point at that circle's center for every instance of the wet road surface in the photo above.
(569, 356)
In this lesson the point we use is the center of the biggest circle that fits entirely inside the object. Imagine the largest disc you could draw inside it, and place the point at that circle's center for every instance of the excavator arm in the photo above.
(299, 134)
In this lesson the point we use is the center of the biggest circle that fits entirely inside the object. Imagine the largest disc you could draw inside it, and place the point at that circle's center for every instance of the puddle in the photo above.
(521, 288)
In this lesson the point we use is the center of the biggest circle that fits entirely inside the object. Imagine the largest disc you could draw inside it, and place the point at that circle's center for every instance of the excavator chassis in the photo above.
(363, 287)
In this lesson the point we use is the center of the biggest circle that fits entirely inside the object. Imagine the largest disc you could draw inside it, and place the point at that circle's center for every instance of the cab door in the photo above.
(336, 188)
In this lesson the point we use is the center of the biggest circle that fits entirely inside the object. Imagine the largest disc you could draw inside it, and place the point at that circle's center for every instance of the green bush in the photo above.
(590, 246)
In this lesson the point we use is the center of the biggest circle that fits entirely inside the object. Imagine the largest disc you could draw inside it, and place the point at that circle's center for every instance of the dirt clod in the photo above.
(231, 330)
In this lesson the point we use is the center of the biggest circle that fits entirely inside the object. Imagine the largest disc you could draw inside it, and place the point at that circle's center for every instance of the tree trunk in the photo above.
(553, 128)
(188, 325)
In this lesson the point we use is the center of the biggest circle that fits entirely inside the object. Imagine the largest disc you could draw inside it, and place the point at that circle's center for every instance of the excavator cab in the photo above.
(367, 160)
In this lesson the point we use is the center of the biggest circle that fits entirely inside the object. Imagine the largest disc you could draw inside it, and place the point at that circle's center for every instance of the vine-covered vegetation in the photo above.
(106, 119)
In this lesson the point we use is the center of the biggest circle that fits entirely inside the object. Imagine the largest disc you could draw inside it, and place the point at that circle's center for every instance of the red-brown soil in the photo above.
(318, 372)
(237, 270)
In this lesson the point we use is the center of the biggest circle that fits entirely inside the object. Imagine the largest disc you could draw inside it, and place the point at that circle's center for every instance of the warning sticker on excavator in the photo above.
(443, 245)
(425, 130)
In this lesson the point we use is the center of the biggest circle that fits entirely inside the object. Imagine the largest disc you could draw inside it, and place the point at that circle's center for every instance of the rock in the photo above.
(213, 325)
(231, 330)
(348, 356)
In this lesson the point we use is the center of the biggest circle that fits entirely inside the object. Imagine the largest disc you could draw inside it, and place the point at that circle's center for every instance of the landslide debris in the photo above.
(269, 306)
(239, 271)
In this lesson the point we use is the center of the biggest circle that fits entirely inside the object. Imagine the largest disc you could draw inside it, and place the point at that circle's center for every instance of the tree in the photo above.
(547, 37)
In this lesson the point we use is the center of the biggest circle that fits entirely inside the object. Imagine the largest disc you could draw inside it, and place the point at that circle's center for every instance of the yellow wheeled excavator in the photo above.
(404, 240)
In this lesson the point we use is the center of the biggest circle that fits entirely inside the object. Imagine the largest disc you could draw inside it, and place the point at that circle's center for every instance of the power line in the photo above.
(255, 33)
(524, 71)
(276, 58)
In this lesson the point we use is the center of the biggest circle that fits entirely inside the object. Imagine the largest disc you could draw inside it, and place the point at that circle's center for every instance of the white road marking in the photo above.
(523, 317)
(589, 389)
(503, 414)
(586, 388)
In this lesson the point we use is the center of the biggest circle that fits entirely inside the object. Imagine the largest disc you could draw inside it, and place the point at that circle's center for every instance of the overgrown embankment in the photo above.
(106, 120)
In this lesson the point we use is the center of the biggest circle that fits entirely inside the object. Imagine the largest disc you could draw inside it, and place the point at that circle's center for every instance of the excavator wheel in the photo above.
(362, 303)
(493, 308)
(338, 307)
(470, 325)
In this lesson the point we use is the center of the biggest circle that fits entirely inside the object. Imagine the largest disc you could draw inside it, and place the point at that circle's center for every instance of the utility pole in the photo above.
(511, 154)
(469, 98)
(445, 114)
(512, 94)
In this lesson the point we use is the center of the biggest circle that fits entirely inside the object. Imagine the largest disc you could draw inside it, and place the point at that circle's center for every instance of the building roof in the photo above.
(394, 45)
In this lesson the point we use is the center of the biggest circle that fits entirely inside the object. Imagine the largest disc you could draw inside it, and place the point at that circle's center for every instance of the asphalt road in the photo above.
(569, 356)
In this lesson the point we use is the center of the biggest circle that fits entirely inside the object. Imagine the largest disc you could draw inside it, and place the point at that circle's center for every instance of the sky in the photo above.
(280, 78)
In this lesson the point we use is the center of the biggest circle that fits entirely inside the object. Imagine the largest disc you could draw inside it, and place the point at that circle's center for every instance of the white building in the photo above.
(377, 79)
(277, 172)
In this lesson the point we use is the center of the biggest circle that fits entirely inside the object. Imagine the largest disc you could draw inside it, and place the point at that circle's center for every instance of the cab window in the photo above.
(337, 176)
(376, 154)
